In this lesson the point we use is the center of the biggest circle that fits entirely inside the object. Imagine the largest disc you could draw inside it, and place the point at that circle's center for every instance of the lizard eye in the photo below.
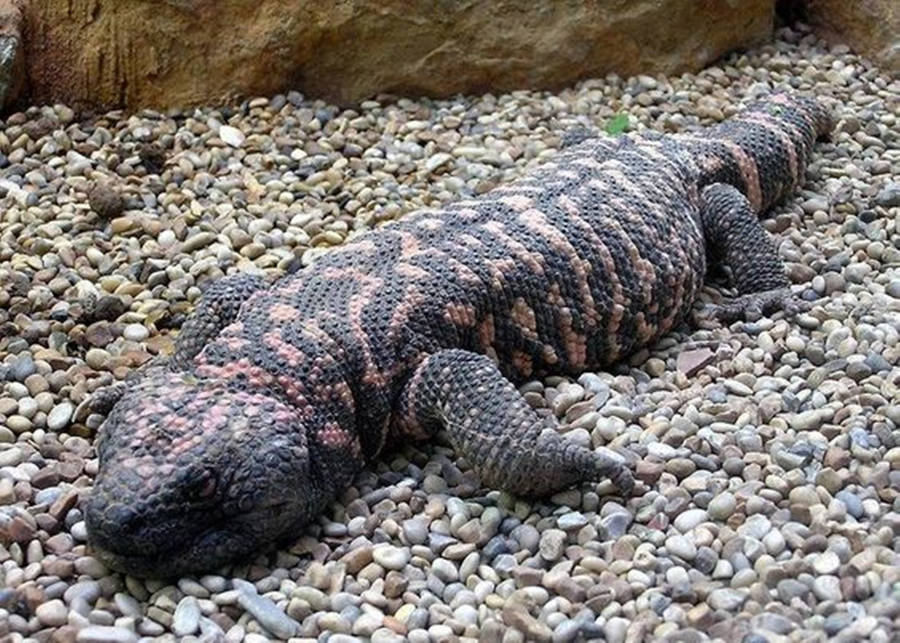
(204, 487)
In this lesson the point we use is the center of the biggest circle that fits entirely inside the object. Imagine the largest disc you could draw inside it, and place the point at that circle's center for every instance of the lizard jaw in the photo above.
(222, 542)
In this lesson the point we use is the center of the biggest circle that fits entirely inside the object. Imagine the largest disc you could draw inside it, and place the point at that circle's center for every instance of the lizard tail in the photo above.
(762, 151)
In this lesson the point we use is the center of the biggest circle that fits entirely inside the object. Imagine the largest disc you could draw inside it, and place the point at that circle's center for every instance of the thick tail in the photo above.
(764, 150)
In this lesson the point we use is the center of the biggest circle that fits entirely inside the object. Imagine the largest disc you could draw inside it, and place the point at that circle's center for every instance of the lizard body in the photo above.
(278, 396)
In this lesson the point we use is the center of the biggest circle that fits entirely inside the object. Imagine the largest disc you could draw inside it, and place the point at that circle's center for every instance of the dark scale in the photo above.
(278, 395)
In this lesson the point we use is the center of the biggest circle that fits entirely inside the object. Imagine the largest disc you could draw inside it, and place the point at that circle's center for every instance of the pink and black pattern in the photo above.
(277, 396)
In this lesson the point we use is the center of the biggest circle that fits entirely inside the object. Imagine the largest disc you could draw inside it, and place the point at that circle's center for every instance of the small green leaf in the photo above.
(617, 124)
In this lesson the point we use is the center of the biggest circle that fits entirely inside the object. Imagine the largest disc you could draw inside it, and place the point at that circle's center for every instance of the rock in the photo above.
(681, 546)
(826, 563)
(52, 613)
(828, 588)
(687, 520)
(105, 201)
(615, 629)
(553, 543)
(889, 195)
(726, 599)
(571, 520)
(105, 634)
(436, 49)
(12, 56)
(517, 616)
(59, 416)
(186, 619)
(391, 557)
(615, 525)
(690, 362)
(722, 506)
(871, 28)
(231, 135)
(152, 157)
(268, 614)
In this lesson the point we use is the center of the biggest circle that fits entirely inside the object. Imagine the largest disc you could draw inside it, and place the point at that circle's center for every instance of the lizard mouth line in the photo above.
(224, 541)
(162, 563)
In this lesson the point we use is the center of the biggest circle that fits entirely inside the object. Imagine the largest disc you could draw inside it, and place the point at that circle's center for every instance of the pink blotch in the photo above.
(255, 375)
(517, 202)
(334, 436)
(285, 351)
(283, 313)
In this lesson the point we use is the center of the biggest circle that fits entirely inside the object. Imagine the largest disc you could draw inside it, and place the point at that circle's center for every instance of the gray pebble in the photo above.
(268, 614)
(186, 619)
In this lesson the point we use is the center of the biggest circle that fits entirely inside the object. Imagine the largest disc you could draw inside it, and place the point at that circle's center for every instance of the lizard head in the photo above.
(194, 474)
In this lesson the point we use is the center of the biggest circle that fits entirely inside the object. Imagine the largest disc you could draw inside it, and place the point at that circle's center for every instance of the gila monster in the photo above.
(277, 395)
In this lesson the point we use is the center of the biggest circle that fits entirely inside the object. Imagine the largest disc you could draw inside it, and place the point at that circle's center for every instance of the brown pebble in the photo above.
(63, 504)
(19, 530)
(649, 472)
(105, 201)
(59, 544)
(152, 156)
(33, 595)
(46, 477)
(47, 522)
(70, 470)
(836, 458)
(62, 567)
(690, 362)
(395, 584)
(65, 634)
(357, 558)
(394, 625)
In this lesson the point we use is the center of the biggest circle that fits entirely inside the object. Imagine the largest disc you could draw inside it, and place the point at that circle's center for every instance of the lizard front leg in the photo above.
(493, 427)
(736, 239)
(218, 307)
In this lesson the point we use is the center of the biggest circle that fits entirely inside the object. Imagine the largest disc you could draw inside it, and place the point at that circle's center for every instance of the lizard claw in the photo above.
(753, 306)
(100, 401)
(616, 472)
(623, 479)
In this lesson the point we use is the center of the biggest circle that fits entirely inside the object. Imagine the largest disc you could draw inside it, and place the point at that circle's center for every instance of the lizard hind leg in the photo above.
(493, 427)
(736, 240)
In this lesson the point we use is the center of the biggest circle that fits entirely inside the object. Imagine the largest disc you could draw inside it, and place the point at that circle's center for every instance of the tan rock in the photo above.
(869, 27)
(132, 53)
(12, 64)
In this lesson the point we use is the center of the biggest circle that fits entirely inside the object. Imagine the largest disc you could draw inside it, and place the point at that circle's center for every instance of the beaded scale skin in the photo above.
(278, 395)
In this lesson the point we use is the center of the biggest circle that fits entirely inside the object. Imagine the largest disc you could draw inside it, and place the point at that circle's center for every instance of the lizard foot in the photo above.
(100, 401)
(103, 399)
(753, 306)
(617, 472)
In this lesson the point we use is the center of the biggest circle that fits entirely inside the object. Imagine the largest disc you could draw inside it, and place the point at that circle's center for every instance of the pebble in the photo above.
(729, 600)
(689, 519)
(53, 613)
(268, 614)
(186, 619)
(232, 135)
(552, 544)
(722, 506)
(681, 547)
(571, 520)
(105, 634)
(391, 557)
(59, 416)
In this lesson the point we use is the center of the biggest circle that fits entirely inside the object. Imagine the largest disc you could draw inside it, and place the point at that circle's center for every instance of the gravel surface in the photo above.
(770, 450)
